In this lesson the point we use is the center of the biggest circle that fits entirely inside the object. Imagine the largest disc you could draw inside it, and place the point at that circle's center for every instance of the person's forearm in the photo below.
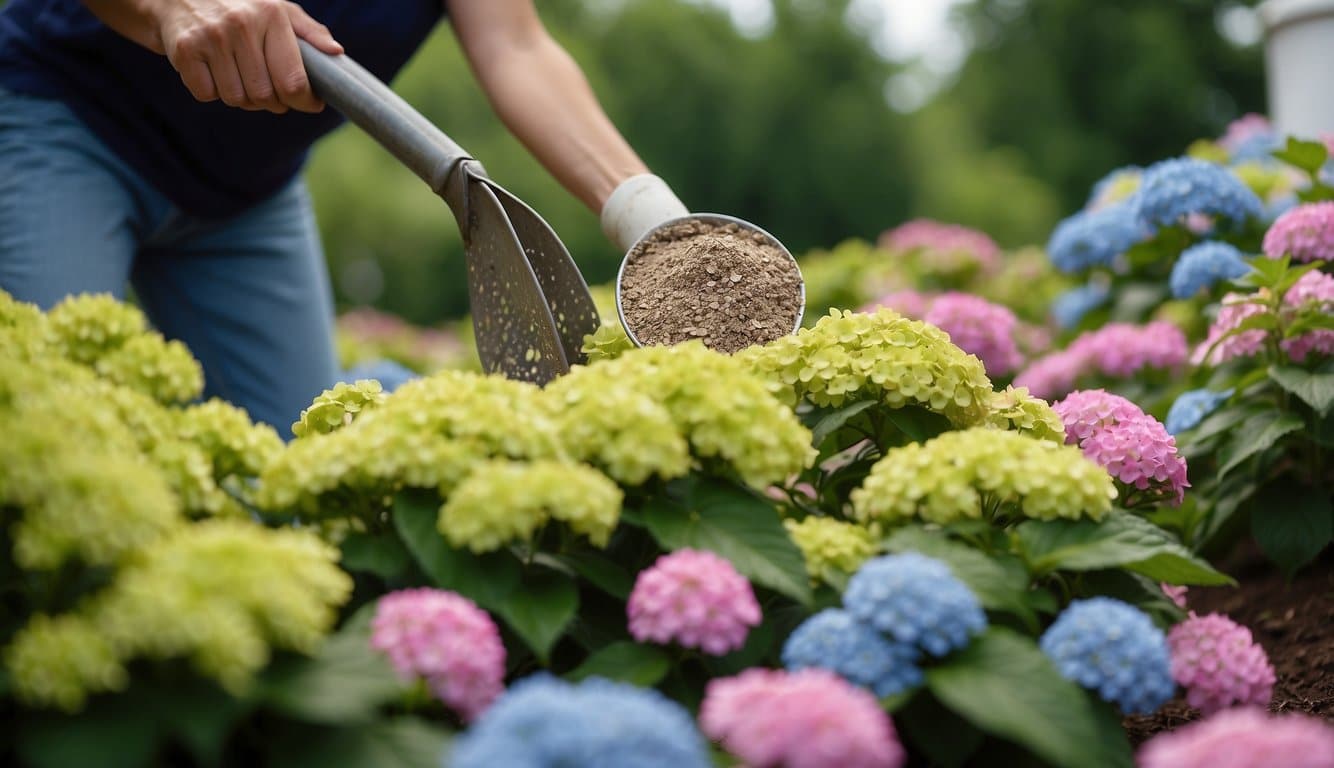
(134, 19)
(544, 99)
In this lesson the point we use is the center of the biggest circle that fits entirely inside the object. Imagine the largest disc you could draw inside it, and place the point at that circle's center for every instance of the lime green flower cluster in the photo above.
(1015, 409)
(607, 342)
(850, 356)
(337, 407)
(220, 592)
(501, 501)
(112, 337)
(963, 474)
(831, 546)
(662, 395)
(429, 434)
(234, 445)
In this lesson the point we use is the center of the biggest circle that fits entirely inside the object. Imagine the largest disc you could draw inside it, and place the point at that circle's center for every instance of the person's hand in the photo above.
(243, 52)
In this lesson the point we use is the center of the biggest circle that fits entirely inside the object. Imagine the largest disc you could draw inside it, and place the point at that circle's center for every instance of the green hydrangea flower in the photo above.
(164, 370)
(88, 326)
(960, 474)
(337, 407)
(60, 661)
(609, 341)
(881, 356)
(1015, 409)
(234, 444)
(504, 501)
(831, 545)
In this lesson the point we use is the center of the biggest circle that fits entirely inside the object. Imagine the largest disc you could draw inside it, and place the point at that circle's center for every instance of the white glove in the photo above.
(639, 204)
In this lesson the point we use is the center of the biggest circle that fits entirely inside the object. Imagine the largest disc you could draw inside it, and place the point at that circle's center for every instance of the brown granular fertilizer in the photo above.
(725, 285)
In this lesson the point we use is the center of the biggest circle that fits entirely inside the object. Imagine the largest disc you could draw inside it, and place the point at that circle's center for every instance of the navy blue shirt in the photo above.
(209, 159)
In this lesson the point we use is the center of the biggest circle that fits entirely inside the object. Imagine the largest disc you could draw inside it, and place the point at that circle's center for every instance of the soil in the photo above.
(1293, 621)
(727, 286)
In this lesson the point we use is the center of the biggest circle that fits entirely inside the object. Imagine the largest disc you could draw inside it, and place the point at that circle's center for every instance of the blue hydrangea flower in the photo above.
(1204, 264)
(917, 601)
(1097, 237)
(389, 373)
(1257, 147)
(1070, 307)
(1113, 649)
(1191, 407)
(835, 640)
(541, 722)
(1174, 189)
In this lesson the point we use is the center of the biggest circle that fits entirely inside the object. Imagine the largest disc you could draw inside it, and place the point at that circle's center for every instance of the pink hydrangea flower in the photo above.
(1175, 593)
(979, 328)
(807, 719)
(1219, 664)
(1131, 445)
(944, 240)
(908, 303)
(1053, 374)
(445, 639)
(1235, 308)
(1306, 233)
(1243, 738)
(696, 599)
(1243, 129)
(1116, 350)
(1316, 289)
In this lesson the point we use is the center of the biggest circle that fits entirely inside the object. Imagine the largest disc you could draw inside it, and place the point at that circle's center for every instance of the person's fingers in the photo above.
(247, 43)
(227, 79)
(286, 71)
(197, 78)
(312, 31)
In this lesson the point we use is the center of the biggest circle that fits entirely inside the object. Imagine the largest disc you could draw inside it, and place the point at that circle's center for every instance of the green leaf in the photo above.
(107, 733)
(601, 572)
(831, 421)
(933, 731)
(999, 582)
(1256, 435)
(383, 555)
(1003, 684)
(1119, 540)
(1309, 156)
(1315, 389)
(641, 665)
(404, 742)
(730, 522)
(540, 609)
(918, 423)
(346, 682)
(486, 579)
(1292, 524)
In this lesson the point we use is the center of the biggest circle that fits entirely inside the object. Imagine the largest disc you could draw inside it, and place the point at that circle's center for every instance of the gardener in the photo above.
(159, 142)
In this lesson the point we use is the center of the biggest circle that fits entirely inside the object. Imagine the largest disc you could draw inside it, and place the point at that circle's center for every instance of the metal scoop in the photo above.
(707, 218)
(530, 305)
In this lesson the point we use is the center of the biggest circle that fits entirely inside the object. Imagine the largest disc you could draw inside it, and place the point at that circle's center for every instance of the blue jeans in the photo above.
(248, 295)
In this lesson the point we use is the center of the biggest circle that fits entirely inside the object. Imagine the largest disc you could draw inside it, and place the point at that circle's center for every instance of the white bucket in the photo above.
(1299, 54)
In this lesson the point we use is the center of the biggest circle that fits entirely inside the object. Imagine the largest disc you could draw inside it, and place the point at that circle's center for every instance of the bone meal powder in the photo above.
(725, 285)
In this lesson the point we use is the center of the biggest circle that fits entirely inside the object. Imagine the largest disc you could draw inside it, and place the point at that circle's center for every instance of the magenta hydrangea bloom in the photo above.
(1053, 374)
(1175, 593)
(1131, 445)
(693, 598)
(943, 239)
(1219, 665)
(446, 640)
(1116, 350)
(1306, 233)
(807, 719)
(1243, 738)
(1235, 308)
(979, 328)
(1314, 289)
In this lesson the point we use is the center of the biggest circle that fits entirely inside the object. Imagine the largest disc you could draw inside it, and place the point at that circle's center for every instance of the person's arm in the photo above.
(542, 96)
(243, 52)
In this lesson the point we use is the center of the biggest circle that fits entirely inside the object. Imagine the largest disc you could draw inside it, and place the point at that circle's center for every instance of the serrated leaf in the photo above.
(730, 522)
(1256, 435)
(540, 609)
(1119, 540)
(1003, 684)
(641, 665)
(1315, 389)
(831, 421)
(1292, 524)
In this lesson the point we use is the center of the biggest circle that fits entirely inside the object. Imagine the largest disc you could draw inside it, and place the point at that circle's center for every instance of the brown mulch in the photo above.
(1293, 621)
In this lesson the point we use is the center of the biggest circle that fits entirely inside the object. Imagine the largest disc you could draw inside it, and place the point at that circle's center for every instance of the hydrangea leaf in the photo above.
(1315, 389)
(1309, 156)
(1003, 684)
(1119, 540)
(486, 579)
(641, 665)
(1256, 435)
(383, 555)
(346, 682)
(1291, 524)
(735, 524)
(408, 742)
(540, 609)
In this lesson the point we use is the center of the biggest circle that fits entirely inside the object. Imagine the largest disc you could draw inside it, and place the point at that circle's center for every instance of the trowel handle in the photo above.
(347, 87)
